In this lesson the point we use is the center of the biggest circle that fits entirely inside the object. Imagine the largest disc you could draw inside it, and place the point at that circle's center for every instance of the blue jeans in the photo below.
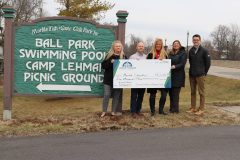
(136, 99)
(108, 93)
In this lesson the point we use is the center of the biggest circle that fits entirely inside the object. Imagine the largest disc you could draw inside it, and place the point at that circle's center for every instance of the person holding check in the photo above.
(178, 58)
(116, 52)
(137, 94)
(157, 52)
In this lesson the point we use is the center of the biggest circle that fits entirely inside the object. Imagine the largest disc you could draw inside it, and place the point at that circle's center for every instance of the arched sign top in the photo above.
(98, 25)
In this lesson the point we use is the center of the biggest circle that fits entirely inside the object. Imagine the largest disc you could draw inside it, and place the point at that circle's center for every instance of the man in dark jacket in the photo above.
(200, 62)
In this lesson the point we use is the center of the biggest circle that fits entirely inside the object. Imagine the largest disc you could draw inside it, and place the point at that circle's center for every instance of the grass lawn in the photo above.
(39, 115)
(226, 63)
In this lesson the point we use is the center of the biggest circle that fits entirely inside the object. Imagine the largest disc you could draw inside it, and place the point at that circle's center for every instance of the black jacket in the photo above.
(108, 69)
(178, 74)
(199, 62)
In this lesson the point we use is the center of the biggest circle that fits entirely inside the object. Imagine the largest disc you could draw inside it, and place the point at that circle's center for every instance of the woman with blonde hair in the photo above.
(157, 52)
(116, 52)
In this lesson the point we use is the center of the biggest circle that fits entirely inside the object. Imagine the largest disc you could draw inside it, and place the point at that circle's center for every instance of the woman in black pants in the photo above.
(157, 52)
(178, 58)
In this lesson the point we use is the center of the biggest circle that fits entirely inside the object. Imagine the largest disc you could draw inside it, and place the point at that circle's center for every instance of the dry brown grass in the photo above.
(226, 63)
(38, 115)
(92, 123)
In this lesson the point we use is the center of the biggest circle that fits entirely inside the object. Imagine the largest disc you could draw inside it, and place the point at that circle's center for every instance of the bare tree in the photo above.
(26, 10)
(233, 44)
(220, 38)
(130, 48)
(208, 45)
(148, 44)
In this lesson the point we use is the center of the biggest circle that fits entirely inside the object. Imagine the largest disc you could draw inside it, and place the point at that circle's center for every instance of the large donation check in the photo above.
(147, 73)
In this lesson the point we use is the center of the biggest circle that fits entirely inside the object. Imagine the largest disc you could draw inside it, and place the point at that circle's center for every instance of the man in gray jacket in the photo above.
(200, 62)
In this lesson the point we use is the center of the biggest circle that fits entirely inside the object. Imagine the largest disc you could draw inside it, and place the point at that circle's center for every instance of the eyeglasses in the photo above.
(196, 39)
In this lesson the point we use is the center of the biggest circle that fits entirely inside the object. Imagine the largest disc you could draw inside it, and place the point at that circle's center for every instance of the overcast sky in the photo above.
(170, 19)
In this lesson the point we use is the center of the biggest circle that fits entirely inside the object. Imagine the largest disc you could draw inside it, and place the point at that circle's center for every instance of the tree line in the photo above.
(225, 43)
(27, 10)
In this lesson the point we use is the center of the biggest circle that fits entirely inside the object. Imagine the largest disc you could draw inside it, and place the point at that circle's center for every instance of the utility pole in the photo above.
(165, 46)
(187, 40)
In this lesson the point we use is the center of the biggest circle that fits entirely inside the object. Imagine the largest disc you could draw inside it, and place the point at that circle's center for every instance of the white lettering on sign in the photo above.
(49, 54)
(52, 28)
(40, 77)
(64, 28)
(48, 43)
(48, 66)
(78, 29)
(70, 61)
(86, 30)
(79, 66)
(76, 78)
(43, 29)
(93, 55)
(79, 44)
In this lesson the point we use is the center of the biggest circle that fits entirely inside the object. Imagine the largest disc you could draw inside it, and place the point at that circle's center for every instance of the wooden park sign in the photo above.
(56, 56)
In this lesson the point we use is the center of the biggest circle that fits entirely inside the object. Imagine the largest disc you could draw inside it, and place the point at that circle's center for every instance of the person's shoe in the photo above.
(199, 113)
(103, 114)
(113, 114)
(171, 112)
(163, 113)
(152, 114)
(134, 115)
(191, 110)
(140, 114)
(118, 113)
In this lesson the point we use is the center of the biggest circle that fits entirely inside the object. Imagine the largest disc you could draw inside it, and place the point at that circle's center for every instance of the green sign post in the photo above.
(61, 56)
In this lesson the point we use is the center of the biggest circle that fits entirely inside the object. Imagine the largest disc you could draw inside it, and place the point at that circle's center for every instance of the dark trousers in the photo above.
(162, 100)
(174, 99)
(136, 99)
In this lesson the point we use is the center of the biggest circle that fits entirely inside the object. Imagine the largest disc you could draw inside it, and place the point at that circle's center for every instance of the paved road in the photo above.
(225, 72)
(232, 73)
(202, 143)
